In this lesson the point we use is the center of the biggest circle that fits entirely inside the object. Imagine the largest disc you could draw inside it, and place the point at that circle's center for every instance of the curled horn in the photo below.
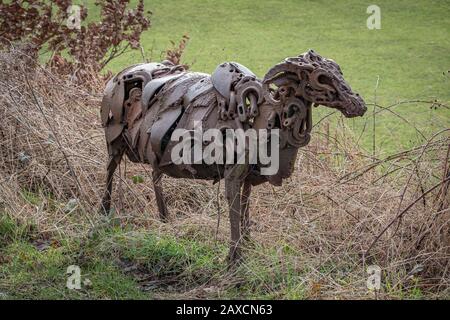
(275, 74)
(287, 73)
(314, 80)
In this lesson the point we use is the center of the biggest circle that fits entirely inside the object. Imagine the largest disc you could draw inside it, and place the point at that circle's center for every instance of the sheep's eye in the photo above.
(324, 80)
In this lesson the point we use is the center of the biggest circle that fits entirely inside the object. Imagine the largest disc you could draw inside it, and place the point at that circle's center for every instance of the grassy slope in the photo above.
(126, 264)
(410, 53)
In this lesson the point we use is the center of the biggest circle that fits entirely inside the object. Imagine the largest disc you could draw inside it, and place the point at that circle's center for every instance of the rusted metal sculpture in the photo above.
(145, 103)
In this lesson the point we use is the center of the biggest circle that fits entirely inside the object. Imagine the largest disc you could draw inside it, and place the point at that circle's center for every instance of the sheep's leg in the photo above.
(163, 212)
(115, 156)
(232, 187)
(245, 202)
(233, 183)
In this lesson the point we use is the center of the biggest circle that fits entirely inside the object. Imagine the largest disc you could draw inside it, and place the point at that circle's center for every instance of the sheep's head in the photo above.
(314, 79)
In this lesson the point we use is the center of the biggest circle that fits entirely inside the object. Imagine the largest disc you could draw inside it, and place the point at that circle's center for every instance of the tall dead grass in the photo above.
(342, 210)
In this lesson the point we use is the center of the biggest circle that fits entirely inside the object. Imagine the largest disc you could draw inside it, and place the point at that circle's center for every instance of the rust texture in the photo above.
(145, 103)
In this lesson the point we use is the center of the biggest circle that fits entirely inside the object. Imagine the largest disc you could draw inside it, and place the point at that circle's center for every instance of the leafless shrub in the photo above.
(74, 52)
(176, 51)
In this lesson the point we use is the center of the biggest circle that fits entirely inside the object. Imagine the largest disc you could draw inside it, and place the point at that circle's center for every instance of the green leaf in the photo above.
(137, 179)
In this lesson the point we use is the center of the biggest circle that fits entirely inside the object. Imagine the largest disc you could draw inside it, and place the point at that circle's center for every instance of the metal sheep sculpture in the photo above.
(144, 104)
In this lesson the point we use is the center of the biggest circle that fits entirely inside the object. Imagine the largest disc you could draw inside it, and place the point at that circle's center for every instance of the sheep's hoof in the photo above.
(234, 257)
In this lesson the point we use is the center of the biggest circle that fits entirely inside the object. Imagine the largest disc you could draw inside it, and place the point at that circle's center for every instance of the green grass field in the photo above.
(410, 53)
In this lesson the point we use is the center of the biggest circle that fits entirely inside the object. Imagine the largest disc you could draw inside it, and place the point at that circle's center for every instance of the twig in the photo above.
(374, 116)
(403, 212)
(144, 59)
(72, 172)
(218, 207)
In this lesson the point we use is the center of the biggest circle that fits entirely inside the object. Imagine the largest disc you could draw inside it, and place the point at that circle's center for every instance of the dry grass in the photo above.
(340, 212)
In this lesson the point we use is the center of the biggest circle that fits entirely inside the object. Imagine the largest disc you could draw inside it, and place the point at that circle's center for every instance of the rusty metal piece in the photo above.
(197, 90)
(272, 120)
(106, 103)
(253, 110)
(145, 103)
(133, 113)
(133, 107)
(248, 88)
(222, 105)
(226, 75)
(112, 110)
(153, 86)
(232, 106)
